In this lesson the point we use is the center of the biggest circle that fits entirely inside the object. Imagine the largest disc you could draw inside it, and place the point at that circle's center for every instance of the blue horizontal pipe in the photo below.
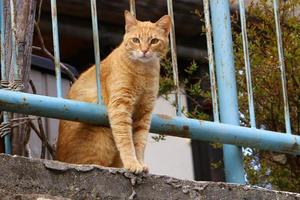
(179, 126)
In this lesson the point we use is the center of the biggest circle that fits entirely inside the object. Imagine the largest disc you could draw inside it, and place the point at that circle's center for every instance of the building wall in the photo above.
(171, 156)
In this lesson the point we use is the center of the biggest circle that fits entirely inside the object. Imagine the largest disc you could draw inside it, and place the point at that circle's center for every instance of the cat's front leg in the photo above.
(141, 126)
(120, 117)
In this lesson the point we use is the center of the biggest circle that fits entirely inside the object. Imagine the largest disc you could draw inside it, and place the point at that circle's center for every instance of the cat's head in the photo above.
(146, 41)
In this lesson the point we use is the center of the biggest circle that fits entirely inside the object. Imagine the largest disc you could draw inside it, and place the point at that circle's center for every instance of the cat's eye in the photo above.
(154, 41)
(135, 40)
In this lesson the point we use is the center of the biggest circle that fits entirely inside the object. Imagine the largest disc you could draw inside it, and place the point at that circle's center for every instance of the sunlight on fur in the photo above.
(130, 81)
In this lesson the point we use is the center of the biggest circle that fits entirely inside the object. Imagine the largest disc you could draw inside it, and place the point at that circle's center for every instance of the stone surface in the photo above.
(24, 179)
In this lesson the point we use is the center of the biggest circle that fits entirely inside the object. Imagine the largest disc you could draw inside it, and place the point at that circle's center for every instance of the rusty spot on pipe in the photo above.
(294, 148)
(5, 104)
(186, 128)
(182, 134)
(54, 13)
(165, 117)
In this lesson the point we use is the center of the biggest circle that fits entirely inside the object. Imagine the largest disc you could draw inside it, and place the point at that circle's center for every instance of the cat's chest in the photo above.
(143, 85)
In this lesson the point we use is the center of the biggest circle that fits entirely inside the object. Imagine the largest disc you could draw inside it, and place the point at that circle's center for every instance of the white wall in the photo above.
(45, 85)
(171, 157)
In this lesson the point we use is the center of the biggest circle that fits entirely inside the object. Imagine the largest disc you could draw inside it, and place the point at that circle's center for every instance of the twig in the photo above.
(192, 99)
(44, 137)
(26, 137)
(47, 53)
(39, 11)
(49, 147)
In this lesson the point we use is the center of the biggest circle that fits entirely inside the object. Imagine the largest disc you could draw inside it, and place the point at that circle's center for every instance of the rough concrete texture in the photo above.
(27, 179)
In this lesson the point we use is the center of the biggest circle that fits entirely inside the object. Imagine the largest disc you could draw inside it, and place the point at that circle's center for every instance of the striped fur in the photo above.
(130, 81)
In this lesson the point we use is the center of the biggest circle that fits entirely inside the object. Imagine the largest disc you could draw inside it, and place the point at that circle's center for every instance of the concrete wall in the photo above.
(28, 179)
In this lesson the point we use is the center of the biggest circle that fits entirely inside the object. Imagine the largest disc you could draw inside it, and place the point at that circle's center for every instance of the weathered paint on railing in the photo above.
(7, 138)
(132, 7)
(227, 92)
(56, 48)
(247, 63)
(53, 107)
(96, 47)
(174, 59)
(282, 68)
(211, 62)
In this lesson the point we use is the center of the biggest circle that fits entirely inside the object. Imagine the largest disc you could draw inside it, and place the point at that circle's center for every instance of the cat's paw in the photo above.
(134, 167)
(145, 167)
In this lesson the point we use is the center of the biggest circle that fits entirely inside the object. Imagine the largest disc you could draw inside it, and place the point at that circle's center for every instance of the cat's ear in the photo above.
(130, 20)
(164, 23)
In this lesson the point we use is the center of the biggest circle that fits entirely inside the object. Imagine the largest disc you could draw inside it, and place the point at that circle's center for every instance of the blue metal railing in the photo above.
(225, 128)
(247, 63)
(211, 61)
(174, 59)
(282, 68)
(53, 107)
(4, 81)
(227, 91)
(56, 48)
(96, 47)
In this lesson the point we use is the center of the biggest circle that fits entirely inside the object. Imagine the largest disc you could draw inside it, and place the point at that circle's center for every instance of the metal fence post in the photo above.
(288, 127)
(96, 47)
(174, 59)
(4, 83)
(56, 48)
(229, 114)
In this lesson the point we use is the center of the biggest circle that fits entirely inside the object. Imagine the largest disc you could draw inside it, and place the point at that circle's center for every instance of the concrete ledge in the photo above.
(24, 179)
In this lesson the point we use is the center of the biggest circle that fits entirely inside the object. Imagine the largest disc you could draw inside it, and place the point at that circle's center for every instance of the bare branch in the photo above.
(26, 138)
(42, 135)
(48, 54)
(39, 11)
(49, 147)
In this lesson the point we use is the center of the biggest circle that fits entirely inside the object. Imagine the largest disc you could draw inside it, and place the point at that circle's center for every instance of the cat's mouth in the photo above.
(142, 57)
(146, 58)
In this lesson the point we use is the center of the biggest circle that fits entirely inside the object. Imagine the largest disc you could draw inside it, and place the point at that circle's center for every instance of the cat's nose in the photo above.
(144, 51)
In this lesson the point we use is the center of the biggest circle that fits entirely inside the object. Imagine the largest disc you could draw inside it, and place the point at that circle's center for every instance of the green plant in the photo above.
(267, 169)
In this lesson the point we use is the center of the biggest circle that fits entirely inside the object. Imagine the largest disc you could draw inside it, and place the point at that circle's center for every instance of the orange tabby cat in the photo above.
(130, 81)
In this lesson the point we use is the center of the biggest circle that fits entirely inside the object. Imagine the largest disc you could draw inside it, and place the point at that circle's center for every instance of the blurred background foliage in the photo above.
(266, 169)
